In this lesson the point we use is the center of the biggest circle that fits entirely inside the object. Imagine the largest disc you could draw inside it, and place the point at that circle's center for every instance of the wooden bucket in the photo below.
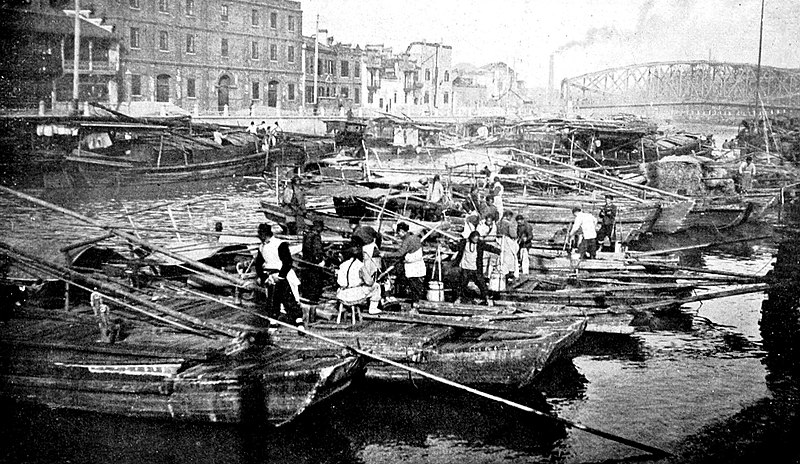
(435, 291)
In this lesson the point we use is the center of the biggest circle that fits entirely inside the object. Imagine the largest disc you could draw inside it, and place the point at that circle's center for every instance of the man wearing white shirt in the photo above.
(586, 225)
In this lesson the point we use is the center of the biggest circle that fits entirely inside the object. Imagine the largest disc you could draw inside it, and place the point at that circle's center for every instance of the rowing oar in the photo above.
(610, 436)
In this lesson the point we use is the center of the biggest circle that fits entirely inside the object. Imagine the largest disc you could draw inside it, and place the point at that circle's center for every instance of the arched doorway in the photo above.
(272, 94)
(223, 92)
(162, 88)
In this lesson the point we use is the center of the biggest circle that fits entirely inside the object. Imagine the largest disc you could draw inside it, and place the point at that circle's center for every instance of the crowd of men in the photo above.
(489, 229)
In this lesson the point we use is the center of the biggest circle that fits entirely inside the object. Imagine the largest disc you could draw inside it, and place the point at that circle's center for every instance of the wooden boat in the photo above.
(500, 352)
(684, 215)
(52, 358)
(132, 153)
(548, 261)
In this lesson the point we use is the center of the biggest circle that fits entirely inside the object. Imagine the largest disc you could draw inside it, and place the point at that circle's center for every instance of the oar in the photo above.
(367, 354)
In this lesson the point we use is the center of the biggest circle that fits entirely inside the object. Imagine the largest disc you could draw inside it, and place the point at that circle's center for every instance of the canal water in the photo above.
(714, 382)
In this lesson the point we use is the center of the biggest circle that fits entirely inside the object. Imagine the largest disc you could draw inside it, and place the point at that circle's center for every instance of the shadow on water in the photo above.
(767, 430)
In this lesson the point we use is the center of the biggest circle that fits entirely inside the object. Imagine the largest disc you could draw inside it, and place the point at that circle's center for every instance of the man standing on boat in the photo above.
(436, 195)
(294, 203)
(524, 239)
(469, 262)
(507, 235)
(314, 255)
(747, 170)
(413, 265)
(497, 193)
(608, 221)
(356, 279)
(586, 225)
(274, 270)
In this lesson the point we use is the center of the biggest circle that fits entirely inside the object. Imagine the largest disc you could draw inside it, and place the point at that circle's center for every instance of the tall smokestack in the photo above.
(551, 77)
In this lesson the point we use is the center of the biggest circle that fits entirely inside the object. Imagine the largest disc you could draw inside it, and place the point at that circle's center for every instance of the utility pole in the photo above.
(436, 76)
(316, 62)
(758, 69)
(76, 56)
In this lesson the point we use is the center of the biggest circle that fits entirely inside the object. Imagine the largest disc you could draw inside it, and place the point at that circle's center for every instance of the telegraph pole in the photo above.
(436, 76)
(758, 69)
(316, 62)
(76, 56)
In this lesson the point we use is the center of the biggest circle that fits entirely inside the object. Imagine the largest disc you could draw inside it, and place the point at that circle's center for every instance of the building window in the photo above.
(163, 6)
(290, 91)
(345, 92)
(290, 23)
(189, 7)
(134, 4)
(256, 94)
(134, 37)
(273, 20)
(273, 52)
(426, 98)
(357, 95)
(190, 88)
(136, 85)
(427, 74)
(321, 91)
(447, 77)
(357, 69)
(380, 102)
(345, 68)
(223, 47)
(224, 13)
(163, 41)
(309, 94)
(290, 53)
(254, 18)
(370, 97)
(162, 88)
(395, 97)
(331, 67)
(446, 96)
(190, 43)
(254, 50)
(320, 66)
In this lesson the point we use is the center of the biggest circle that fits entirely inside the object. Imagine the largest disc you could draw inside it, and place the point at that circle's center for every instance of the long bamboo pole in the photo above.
(68, 275)
(377, 208)
(606, 178)
(754, 288)
(112, 229)
(701, 245)
(635, 444)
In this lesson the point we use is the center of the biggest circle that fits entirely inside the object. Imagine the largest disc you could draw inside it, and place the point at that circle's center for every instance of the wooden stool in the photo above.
(354, 308)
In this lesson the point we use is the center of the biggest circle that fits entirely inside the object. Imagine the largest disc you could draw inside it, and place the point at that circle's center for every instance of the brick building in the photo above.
(337, 86)
(210, 56)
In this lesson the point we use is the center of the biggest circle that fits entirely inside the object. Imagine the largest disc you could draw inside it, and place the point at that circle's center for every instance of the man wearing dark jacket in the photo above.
(469, 261)
(314, 255)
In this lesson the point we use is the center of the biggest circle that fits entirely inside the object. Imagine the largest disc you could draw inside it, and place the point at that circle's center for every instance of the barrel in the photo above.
(435, 291)
(497, 282)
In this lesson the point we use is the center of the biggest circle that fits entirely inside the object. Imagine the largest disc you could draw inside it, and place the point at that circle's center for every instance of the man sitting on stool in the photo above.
(356, 279)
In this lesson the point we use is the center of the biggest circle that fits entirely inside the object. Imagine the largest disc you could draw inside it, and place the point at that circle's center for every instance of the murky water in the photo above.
(709, 383)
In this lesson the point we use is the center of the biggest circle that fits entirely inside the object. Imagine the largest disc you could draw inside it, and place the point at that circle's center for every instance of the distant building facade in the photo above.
(332, 75)
(37, 62)
(210, 56)
(434, 61)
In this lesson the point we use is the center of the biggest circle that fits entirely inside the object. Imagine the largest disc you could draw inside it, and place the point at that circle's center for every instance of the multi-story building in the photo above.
(434, 62)
(37, 62)
(390, 80)
(241, 57)
(332, 76)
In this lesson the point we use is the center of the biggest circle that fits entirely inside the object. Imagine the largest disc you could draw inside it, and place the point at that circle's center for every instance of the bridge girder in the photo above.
(684, 83)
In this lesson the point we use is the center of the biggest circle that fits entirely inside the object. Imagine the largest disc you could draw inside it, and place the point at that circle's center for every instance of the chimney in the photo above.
(551, 76)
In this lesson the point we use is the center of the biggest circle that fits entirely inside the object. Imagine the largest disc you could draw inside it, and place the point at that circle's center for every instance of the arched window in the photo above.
(426, 98)
(223, 92)
(272, 94)
(162, 88)
(447, 76)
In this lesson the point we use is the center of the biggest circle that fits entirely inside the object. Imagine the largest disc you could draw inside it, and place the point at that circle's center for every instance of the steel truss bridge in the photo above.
(692, 90)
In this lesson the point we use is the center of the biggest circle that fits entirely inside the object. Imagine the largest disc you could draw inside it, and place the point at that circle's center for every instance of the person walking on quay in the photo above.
(314, 255)
(586, 225)
(275, 273)
(414, 269)
(524, 239)
(294, 204)
(747, 170)
(507, 235)
(356, 280)
(608, 222)
(469, 262)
